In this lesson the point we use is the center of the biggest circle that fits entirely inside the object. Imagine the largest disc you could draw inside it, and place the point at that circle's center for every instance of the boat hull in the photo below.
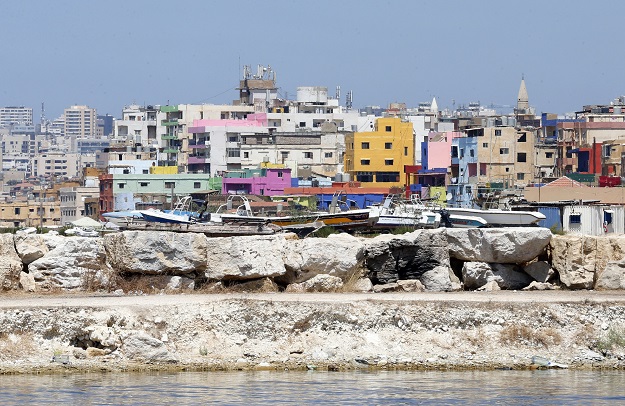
(496, 217)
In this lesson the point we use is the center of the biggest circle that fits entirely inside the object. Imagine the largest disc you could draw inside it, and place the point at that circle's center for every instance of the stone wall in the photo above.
(435, 260)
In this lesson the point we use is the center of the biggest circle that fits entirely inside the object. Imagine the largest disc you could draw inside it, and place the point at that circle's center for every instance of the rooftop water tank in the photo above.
(312, 94)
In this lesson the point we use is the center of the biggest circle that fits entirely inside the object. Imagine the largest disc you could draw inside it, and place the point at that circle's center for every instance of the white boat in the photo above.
(500, 217)
(180, 214)
(395, 212)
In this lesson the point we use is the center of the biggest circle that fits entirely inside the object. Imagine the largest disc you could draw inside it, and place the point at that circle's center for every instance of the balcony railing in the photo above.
(169, 123)
(170, 150)
(169, 137)
(169, 109)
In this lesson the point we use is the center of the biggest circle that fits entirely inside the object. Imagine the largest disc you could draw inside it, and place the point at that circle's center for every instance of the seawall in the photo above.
(460, 330)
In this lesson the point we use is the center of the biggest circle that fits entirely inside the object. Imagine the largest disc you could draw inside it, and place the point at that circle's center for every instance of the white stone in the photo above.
(540, 270)
(10, 263)
(337, 255)
(239, 258)
(513, 245)
(477, 274)
(612, 277)
(30, 247)
(27, 282)
(318, 283)
(156, 252)
(142, 347)
(363, 285)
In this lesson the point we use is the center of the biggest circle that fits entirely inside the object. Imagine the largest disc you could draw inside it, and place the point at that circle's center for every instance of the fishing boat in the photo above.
(500, 217)
(237, 209)
(180, 214)
(396, 212)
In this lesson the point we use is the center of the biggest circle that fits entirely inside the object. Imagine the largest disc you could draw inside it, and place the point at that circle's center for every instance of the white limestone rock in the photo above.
(490, 286)
(478, 274)
(362, 285)
(142, 347)
(580, 259)
(72, 263)
(156, 252)
(612, 277)
(103, 335)
(318, 283)
(31, 247)
(10, 263)
(27, 282)
(541, 271)
(513, 245)
(240, 258)
(337, 255)
(411, 285)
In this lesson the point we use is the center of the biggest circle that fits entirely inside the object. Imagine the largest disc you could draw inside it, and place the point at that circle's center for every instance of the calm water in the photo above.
(357, 388)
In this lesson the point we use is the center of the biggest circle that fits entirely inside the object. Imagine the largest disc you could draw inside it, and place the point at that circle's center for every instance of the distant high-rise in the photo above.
(16, 115)
(81, 122)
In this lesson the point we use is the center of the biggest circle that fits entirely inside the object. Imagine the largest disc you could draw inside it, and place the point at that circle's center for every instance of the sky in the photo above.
(111, 53)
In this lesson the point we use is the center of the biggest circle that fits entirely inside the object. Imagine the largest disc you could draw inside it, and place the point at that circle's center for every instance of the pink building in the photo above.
(264, 182)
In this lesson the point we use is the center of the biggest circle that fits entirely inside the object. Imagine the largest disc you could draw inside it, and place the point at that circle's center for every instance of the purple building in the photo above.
(264, 181)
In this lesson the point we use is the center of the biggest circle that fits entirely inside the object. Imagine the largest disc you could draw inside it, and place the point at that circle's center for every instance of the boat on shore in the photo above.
(180, 214)
(499, 217)
(396, 212)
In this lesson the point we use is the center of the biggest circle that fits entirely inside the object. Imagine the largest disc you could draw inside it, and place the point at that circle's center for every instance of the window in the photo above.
(280, 174)
(607, 217)
(498, 133)
(504, 151)
(302, 124)
(170, 185)
(405, 151)
(388, 145)
(17, 210)
(285, 154)
(388, 129)
(548, 154)
(471, 153)
(388, 162)
(146, 171)
(454, 151)
(365, 145)
(364, 176)
(328, 154)
(387, 177)
(485, 145)
(196, 185)
(507, 169)
(126, 171)
(308, 155)
(233, 138)
(144, 184)
(120, 185)
(233, 152)
(575, 218)
(521, 157)
(365, 162)
(246, 155)
(520, 176)
(522, 138)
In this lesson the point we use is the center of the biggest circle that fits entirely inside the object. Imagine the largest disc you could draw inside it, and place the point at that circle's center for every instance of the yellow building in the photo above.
(377, 158)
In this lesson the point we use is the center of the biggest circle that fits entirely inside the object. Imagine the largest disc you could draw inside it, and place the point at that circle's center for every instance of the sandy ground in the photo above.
(17, 300)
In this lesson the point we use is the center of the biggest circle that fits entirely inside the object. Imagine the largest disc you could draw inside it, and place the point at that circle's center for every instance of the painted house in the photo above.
(264, 181)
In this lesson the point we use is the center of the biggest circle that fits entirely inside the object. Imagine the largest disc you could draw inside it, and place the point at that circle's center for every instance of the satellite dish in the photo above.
(449, 196)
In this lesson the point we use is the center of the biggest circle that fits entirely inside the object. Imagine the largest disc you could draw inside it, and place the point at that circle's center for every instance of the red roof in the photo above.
(565, 182)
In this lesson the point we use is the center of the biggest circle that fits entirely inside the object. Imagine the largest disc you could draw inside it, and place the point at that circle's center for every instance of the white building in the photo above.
(16, 115)
(80, 122)
(72, 202)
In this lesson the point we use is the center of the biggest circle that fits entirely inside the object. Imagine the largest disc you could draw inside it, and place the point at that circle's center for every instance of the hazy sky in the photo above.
(111, 53)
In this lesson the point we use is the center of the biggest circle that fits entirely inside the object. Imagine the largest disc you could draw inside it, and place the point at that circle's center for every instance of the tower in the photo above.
(522, 104)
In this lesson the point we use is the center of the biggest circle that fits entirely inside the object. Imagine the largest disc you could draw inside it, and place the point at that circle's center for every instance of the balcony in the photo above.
(170, 122)
(169, 137)
(198, 160)
(169, 109)
(170, 150)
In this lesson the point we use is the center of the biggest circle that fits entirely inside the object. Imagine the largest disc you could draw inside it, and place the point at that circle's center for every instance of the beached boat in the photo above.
(180, 214)
(395, 212)
(500, 217)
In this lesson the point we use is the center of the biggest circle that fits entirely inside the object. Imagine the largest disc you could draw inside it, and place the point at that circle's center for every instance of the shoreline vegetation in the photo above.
(78, 333)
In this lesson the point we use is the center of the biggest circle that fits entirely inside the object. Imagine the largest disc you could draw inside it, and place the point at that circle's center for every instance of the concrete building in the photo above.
(57, 164)
(14, 115)
(73, 202)
(264, 181)
(378, 158)
(80, 122)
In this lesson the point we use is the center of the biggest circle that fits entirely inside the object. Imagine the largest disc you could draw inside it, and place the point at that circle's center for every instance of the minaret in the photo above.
(434, 106)
(522, 104)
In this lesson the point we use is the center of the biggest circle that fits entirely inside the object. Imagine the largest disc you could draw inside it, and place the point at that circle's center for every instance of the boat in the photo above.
(338, 215)
(396, 212)
(124, 217)
(499, 217)
(180, 214)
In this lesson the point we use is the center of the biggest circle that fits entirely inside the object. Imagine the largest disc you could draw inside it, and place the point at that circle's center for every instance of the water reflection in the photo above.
(356, 388)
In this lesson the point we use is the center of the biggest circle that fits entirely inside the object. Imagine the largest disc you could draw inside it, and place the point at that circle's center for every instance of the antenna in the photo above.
(338, 93)
(349, 99)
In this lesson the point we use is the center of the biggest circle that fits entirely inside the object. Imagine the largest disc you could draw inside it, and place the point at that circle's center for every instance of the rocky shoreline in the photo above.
(430, 299)
(404, 331)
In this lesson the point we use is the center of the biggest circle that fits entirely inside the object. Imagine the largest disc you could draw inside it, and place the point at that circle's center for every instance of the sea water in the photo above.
(542, 387)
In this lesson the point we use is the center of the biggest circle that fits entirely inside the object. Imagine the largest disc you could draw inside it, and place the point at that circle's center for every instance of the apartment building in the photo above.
(14, 115)
(377, 158)
(80, 122)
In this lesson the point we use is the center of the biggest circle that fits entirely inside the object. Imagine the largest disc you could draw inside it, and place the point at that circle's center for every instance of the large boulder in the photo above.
(422, 255)
(73, 263)
(580, 259)
(31, 247)
(338, 255)
(240, 258)
(477, 274)
(142, 347)
(541, 271)
(156, 252)
(612, 277)
(10, 263)
(318, 283)
(513, 245)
